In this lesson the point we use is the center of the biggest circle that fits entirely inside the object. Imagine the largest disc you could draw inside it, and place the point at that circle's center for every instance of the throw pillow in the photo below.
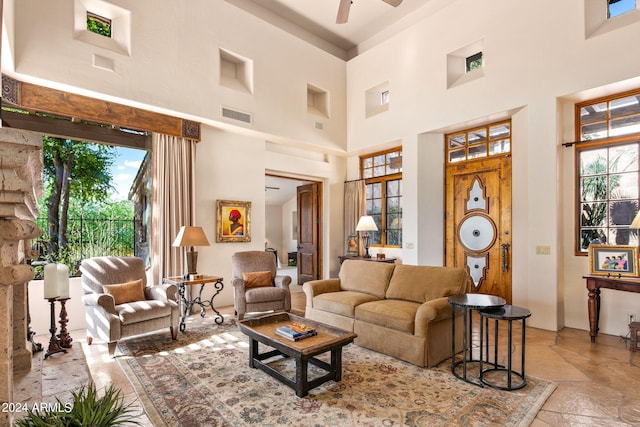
(125, 292)
(257, 279)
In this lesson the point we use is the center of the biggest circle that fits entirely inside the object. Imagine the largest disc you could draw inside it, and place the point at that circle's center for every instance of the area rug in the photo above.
(204, 379)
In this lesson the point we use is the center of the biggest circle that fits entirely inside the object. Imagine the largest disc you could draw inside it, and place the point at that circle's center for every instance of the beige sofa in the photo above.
(399, 310)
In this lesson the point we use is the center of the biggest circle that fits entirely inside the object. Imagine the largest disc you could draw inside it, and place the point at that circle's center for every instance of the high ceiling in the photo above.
(370, 21)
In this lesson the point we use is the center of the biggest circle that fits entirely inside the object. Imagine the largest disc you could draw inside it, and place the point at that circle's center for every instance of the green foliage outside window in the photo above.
(78, 220)
(99, 25)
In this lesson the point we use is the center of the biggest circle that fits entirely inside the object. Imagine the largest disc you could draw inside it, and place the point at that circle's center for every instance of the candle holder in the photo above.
(63, 336)
(54, 343)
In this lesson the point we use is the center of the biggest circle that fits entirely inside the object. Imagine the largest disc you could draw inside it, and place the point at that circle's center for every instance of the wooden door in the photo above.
(309, 232)
(478, 223)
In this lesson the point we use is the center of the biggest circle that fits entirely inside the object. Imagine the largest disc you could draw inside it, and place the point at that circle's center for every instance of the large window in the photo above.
(382, 173)
(608, 170)
(486, 141)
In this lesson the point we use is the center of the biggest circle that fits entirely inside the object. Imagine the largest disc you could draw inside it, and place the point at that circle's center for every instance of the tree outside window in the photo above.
(608, 170)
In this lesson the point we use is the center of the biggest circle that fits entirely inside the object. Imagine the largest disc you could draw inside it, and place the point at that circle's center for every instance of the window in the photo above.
(377, 99)
(618, 7)
(382, 173)
(607, 170)
(98, 24)
(384, 97)
(485, 141)
(474, 62)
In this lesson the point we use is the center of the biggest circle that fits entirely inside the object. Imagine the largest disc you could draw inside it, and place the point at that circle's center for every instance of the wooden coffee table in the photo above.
(263, 329)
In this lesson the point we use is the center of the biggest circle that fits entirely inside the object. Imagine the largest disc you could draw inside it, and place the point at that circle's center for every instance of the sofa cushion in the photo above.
(343, 302)
(393, 314)
(421, 283)
(123, 293)
(141, 311)
(365, 276)
(264, 294)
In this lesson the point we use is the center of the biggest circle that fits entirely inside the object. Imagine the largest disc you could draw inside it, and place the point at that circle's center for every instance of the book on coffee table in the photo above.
(295, 331)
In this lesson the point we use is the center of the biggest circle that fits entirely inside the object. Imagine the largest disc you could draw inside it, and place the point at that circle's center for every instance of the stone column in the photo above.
(20, 188)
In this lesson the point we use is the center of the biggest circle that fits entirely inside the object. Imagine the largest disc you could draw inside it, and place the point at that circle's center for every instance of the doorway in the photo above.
(478, 207)
(283, 231)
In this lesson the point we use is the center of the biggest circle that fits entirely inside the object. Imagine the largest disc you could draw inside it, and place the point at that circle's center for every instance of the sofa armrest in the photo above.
(105, 301)
(282, 281)
(431, 311)
(314, 288)
(164, 292)
(238, 284)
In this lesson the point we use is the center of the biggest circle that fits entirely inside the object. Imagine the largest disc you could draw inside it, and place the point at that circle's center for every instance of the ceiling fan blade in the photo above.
(343, 11)
(394, 3)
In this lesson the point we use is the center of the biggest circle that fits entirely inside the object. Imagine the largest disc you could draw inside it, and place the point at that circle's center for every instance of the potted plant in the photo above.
(86, 409)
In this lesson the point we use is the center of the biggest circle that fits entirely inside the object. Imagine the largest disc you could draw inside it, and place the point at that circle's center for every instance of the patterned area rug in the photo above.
(204, 379)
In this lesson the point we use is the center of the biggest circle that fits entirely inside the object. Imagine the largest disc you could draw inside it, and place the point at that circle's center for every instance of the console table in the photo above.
(182, 284)
(594, 283)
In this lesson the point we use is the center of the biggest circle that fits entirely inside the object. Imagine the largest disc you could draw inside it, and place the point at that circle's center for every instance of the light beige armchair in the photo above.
(255, 284)
(119, 304)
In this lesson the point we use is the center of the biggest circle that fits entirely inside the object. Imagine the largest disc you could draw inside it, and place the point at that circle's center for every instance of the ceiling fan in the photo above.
(345, 5)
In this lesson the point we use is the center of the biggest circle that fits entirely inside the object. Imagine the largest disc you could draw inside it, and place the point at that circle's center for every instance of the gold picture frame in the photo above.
(613, 260)
(233, 221)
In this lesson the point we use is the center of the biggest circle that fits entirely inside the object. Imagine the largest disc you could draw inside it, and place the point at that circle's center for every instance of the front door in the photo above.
(478, 223)
(309, 235)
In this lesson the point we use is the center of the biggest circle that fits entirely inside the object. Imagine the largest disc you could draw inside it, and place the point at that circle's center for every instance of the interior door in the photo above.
(309, 232)
(478, 223)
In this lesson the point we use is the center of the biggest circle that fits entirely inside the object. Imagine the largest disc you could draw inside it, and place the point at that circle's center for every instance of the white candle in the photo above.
(50, 281)
(63, 281)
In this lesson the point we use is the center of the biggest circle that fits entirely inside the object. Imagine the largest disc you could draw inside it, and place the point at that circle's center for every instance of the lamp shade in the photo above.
(636, 221)
(366, 223)
(191, 236)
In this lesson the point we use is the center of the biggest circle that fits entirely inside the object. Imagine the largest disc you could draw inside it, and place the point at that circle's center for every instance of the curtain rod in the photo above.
(354, 180)
(617, 139)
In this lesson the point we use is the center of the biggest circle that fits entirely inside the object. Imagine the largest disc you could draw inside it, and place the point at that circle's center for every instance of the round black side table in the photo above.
(508, 313)
(468, 303)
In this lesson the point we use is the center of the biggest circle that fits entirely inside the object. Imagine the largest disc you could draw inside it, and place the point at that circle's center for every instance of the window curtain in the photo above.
(173, 201)
(354, 208)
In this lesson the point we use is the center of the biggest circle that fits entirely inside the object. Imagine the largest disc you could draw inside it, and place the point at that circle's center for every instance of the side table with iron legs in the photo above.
(186, 304)
(468, 303)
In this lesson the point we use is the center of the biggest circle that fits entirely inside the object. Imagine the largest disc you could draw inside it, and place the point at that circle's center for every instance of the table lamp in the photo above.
(190, 237)
(636, 221)
(366, 224)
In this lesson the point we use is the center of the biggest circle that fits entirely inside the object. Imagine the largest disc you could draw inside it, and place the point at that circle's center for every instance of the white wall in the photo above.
(536, 57)
(289, 240)
(535, 52)
(174, 65)
(218, 178)
(273, 232)
(40, 310)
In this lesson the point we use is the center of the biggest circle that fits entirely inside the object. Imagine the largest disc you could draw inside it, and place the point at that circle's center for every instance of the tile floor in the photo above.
(597, 384)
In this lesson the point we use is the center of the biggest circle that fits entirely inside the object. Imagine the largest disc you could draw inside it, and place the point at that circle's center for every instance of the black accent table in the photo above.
(508, 313)
(468, 303)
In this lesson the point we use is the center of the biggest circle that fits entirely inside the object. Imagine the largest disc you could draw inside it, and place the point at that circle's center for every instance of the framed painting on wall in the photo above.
(610, 260)
(233, 221)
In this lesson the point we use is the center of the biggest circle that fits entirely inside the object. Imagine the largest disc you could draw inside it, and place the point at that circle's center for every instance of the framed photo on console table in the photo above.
(233, 221)
(352, 245)
(609, 260)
